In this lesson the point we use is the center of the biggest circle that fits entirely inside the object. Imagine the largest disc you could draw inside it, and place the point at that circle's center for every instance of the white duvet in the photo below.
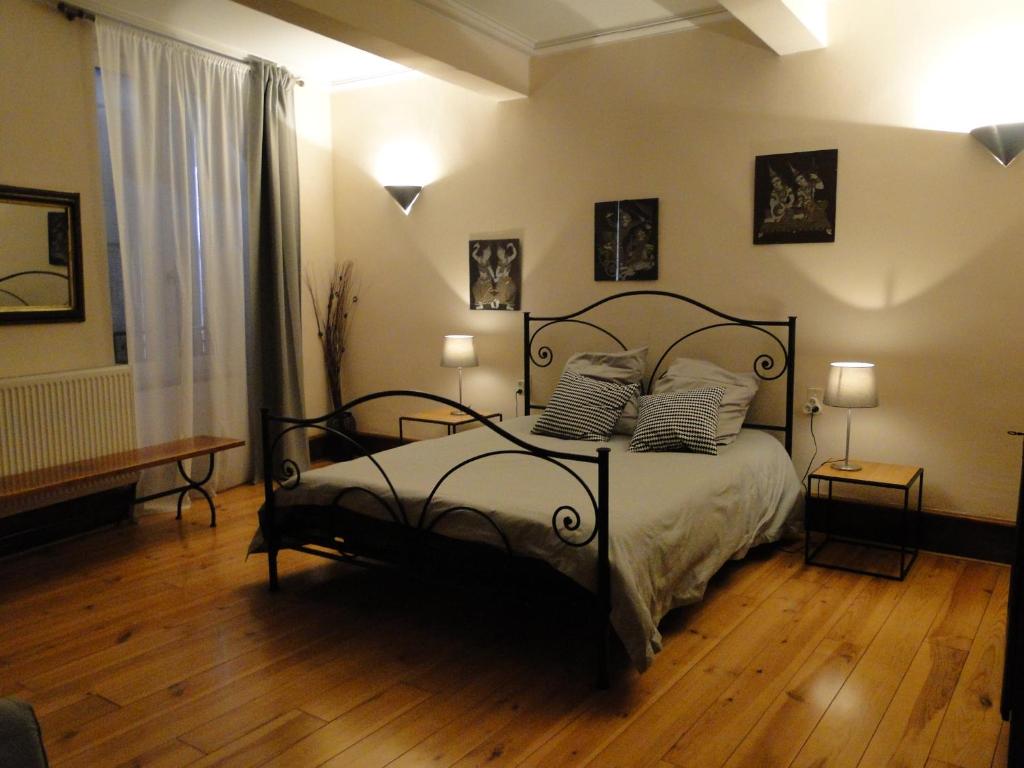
(674, 518)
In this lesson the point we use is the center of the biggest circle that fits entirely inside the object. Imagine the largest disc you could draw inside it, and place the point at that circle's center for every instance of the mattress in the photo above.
(674, 518)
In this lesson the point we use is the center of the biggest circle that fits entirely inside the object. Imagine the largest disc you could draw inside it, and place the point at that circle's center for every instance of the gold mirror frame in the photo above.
(74, 310)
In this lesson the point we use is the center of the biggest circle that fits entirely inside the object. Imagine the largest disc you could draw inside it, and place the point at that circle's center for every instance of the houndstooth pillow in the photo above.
(678, 421)
(582, 408)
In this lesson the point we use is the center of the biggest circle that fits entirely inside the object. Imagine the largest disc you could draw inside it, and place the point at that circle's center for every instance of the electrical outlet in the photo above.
(520, 386)
(813, 403)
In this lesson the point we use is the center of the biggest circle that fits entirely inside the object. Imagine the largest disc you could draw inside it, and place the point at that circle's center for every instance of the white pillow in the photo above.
(622, 368)
(686, 373)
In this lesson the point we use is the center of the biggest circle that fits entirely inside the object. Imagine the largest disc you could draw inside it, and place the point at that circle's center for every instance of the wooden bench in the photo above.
(13, 487)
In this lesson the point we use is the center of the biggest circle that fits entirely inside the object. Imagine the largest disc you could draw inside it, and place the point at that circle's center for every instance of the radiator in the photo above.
(57, 418)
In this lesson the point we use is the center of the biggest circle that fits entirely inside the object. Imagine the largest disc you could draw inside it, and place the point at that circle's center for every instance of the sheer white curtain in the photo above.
(175, 118)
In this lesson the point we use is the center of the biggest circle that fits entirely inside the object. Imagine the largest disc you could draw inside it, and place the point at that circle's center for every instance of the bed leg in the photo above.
(603, 681)
(272, 566)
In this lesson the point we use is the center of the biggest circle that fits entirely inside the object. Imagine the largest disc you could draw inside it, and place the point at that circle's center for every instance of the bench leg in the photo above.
(197, 485)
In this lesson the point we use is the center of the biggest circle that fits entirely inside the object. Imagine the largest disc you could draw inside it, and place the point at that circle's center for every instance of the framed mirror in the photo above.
(40, 256)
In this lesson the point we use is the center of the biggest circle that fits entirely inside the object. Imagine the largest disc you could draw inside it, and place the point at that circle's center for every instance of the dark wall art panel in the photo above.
(795, 197)
(495, 269)
(626, 240)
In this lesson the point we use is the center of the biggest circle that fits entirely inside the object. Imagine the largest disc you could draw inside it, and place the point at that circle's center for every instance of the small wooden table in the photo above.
(68, 475)
(443, 416)
(895, 476)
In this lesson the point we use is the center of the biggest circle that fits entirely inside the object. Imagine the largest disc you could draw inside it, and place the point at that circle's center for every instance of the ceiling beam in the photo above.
(785, 26)
(411, 34)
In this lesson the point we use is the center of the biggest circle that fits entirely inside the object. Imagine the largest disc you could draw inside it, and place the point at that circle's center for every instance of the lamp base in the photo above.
(846, 466)
(457, 412)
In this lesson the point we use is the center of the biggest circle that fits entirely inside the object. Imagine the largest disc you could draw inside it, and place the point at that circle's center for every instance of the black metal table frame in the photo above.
(904, 547)
(452, 428)
(182, 490)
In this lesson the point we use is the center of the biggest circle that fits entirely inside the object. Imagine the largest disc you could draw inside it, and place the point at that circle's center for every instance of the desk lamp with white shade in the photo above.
(460, 353)
(850, 385)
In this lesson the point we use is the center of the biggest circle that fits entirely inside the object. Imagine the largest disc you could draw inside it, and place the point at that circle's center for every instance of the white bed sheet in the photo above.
(674, 518)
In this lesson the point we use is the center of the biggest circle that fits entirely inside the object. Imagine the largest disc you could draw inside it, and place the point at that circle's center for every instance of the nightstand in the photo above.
(892, 476)
(442, 416)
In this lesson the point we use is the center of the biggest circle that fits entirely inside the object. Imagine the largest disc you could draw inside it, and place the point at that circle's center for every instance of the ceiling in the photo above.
(543, 24)
(232, 29)
(485, 45)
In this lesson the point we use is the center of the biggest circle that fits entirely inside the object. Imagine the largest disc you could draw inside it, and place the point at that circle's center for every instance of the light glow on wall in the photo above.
(974, 83)
(405, 162)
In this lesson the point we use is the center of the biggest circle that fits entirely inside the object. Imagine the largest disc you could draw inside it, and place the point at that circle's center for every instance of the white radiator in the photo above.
(56, 418)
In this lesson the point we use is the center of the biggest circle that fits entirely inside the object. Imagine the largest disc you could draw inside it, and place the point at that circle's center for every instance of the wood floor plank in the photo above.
(170, 754)
(699, 629)
(847, 726)
(972, 723)
(349, 728)
(645, 740)
(905, 735)
(713, 738)
(265, 742)
(789, 720)
(1001, 758)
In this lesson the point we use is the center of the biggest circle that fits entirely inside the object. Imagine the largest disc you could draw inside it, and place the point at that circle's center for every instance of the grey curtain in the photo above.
(273, 325)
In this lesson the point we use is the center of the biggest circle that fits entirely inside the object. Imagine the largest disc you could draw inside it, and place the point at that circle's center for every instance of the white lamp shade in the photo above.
(458, 352)
(851, 385)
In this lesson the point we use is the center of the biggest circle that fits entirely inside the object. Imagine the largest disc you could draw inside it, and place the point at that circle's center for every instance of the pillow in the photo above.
(678, 421)
(617, 367)
(740, 388)
(582, 408)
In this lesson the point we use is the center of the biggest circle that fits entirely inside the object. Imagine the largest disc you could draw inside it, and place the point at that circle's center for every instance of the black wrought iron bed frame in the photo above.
(338, 533)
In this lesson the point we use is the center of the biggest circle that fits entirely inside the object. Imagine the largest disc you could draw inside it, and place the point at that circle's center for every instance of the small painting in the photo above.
(795, 197)
(495, 267)
(626, 240)
(57, 229)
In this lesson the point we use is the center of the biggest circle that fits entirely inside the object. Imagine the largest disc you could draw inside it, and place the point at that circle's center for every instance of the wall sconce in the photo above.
(405, 196)
(1005, 141)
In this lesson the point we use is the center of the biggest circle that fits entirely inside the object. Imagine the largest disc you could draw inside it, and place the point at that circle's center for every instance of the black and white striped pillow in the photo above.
(678, 421)
(582, 408)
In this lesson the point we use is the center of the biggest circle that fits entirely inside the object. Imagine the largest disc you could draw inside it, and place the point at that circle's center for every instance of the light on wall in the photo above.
(404, 168)
(405, 195)
(1005, 141)
(850, 385)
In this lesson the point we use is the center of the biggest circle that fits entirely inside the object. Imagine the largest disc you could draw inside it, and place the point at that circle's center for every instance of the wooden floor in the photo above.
(158, 645)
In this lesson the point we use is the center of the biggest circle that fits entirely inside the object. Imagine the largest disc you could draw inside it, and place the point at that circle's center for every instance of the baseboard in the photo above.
(972, 537)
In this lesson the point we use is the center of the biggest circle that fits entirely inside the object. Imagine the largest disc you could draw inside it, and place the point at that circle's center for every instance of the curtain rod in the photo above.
(73, 13)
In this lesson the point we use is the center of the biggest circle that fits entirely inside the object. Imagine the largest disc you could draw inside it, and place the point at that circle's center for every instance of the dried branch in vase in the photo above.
(332, 322)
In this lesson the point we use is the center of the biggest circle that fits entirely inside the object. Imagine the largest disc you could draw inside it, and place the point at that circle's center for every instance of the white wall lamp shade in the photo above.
(458, 352)
(1005, 141)
(850, 385)
(404, 195)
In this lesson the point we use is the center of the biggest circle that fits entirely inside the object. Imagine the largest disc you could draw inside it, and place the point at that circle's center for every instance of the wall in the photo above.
(924, 278)
(316, 200)
(48, 141)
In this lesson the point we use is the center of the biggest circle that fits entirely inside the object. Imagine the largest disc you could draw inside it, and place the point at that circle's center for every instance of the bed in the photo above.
(632, 534)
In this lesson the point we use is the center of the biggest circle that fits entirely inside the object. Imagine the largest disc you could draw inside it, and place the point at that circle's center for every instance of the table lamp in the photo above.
(850, 385)
(458, 353)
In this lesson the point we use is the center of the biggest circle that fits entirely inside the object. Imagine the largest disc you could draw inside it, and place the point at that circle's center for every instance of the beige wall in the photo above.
(925, 277)
(316, 199)
(48, 141)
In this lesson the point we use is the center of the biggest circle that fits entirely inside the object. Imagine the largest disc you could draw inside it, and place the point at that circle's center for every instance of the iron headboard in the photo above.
(764, 365)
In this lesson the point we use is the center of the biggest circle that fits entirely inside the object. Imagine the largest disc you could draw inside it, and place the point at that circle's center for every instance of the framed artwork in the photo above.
(495, 269)
(626, 240)
(57, 231)
(795, 197)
